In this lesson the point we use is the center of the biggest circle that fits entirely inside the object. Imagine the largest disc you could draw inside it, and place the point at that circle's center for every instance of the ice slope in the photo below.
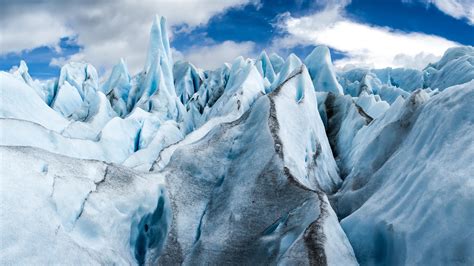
(455, 67)
(249, 190)
(411, 174)
(24, 114)
(22, 73)
(291, 63)
(134, 141)
(20, 101)
(295, 104)
(116, 142)
(59, 210)
(372, 146)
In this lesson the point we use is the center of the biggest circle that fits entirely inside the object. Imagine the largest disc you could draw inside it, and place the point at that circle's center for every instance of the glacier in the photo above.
(261, 161)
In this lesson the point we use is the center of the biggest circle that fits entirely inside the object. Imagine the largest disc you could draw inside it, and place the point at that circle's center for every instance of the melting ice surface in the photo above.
(264, 161)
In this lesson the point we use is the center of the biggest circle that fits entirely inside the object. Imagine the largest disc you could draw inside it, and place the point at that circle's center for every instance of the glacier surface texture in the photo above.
(263, 161)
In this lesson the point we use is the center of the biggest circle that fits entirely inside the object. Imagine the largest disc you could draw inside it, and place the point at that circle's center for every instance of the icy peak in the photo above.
(117, 88)
(119, 74)
(159, 45)
(264, 66)
(77, 73)
(292, 64)
(22, 73)
(153, 89)
(23, 67)
(322, 70)
(277, 62)
(123, 65)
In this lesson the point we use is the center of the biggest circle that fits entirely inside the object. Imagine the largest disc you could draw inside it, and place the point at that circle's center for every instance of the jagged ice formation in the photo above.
(264, 161)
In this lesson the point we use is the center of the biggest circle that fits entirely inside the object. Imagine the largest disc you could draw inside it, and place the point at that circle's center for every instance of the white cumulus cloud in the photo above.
(106, 30)
(26, 32)
(215, 55)
(459, 9)
(363, 44)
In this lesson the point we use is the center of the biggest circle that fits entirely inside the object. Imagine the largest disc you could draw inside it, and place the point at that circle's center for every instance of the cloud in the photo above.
(26, 32)
(459, 9)
(106, 30)
(58, 61)
(363, 44)
(215, 55)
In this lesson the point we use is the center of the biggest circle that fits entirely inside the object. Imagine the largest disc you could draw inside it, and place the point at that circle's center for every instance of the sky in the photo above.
(372, 33)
